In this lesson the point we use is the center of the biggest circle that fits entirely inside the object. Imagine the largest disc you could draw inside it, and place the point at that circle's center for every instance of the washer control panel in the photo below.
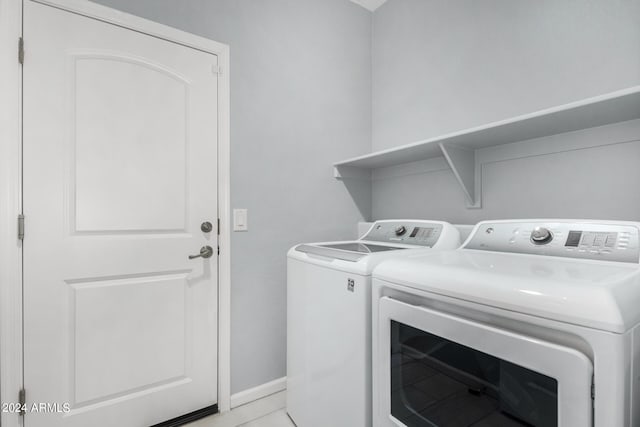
(589, 240)
(406, 232)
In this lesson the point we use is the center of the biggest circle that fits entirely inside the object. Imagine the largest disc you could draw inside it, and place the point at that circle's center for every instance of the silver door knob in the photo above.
(205, 252)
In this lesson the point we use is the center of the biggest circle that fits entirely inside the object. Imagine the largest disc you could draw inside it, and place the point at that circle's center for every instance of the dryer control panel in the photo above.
(598, 240)
(407, 232)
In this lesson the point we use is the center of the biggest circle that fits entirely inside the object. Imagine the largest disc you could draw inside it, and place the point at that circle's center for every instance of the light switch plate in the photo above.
(240, 220)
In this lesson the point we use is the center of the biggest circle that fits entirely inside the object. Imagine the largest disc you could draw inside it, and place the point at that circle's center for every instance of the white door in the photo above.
(120, 171)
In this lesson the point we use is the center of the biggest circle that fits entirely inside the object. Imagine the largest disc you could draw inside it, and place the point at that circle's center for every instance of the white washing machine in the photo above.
(529, 323)
(329, 319)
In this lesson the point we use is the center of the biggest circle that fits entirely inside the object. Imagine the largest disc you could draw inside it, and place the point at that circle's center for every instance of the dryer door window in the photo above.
(438, 370)
(437, 382)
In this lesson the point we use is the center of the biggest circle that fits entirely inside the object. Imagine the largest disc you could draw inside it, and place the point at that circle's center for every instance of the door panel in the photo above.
(120, 158)
(98, 358)
(144, 145)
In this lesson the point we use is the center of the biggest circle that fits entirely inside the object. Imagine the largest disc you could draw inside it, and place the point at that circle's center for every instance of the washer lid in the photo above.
(364, 248)
(347, 251)
(596, 294)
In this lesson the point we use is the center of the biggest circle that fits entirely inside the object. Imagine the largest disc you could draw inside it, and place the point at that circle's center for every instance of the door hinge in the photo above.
(21, 51)
(22, 400)
(216, 69)
(20, 227)
(593, 391)
(218, 226)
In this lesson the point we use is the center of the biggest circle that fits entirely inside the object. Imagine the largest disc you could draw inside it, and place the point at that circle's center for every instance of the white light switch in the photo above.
(240, 220)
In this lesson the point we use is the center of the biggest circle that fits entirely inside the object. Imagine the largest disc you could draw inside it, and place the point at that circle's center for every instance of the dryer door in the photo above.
(440, 370)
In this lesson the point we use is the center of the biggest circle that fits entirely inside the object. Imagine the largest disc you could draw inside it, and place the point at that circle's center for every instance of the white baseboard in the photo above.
(258, 392)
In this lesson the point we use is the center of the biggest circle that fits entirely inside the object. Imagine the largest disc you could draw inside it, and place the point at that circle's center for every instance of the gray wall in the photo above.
(441, 66)
(300, 99)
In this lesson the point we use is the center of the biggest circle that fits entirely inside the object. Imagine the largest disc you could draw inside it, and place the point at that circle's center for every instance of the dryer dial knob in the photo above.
(541, 235)
(400, 230)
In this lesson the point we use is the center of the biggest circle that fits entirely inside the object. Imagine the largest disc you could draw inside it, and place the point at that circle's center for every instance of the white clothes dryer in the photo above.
(329, 318)
(529, 323)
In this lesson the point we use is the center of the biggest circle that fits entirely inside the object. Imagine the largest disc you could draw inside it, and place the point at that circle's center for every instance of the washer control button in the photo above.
(541, 236)
(400, 230)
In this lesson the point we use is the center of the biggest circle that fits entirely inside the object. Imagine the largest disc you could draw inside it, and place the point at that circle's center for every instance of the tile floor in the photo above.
(266, 412)
(274, 419)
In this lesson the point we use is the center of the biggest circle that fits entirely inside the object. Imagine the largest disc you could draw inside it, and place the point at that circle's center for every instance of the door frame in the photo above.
(11, 321)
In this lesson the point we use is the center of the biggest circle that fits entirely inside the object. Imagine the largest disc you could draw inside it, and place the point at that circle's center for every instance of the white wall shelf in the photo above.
(458, 148)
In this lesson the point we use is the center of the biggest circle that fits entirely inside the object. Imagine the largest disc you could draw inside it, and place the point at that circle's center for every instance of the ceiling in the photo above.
(370, 4)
